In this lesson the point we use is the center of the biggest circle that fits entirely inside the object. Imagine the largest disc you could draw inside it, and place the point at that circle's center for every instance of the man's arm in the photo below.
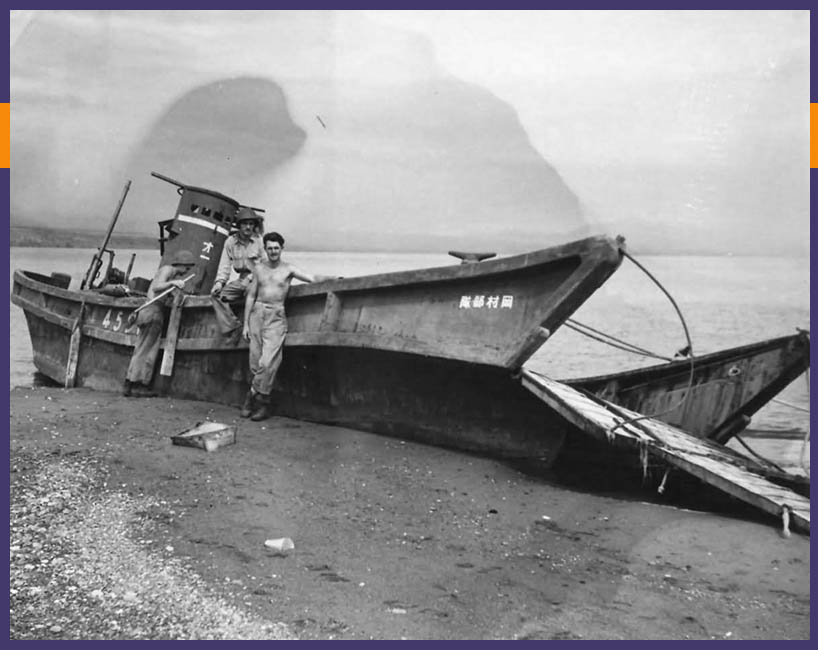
(250, 301)
(161, 282)
(309, 277)
(223, 274)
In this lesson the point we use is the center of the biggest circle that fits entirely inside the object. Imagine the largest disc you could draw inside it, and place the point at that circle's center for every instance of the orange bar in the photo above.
(813, 136)
(5, 128)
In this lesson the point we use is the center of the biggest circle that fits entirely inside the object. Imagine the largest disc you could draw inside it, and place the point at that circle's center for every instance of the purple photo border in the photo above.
(4, 173)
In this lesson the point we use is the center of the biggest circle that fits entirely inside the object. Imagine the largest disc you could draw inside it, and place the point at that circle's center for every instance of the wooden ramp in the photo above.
(719, 466)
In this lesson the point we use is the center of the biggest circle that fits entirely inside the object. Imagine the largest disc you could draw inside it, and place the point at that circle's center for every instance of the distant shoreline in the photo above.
(42, 237)
(137, 244)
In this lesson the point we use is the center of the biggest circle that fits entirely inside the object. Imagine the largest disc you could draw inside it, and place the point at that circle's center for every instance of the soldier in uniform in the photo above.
(242, 251)
(150, 321)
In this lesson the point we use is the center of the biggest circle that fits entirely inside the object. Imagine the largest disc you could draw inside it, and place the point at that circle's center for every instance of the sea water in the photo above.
(723, 301)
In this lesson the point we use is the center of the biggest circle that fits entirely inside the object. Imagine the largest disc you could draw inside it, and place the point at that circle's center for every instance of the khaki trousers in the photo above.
(268, 327)
(231, 293)
(143, 359)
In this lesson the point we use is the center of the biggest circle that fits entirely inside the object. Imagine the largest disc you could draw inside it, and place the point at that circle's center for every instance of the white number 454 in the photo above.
(115, 324)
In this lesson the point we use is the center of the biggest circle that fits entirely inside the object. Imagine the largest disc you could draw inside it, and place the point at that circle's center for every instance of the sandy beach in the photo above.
(116, 533)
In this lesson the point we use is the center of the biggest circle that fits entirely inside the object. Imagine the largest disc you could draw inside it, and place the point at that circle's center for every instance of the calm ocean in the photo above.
(726, 301)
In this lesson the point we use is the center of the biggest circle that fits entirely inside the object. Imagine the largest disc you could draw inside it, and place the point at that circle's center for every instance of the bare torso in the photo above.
(273, 282)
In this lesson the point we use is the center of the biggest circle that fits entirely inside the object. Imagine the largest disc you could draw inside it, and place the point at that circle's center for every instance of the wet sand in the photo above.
(395, 539)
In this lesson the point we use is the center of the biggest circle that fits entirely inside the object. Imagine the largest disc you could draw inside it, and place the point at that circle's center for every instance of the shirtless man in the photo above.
(265, 323)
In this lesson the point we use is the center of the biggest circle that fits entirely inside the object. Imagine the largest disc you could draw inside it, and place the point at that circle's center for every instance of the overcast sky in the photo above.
(667, 117)
(687, 127)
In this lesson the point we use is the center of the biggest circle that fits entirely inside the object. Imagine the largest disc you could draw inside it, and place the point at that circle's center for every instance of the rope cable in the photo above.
(689, 347)
(620, 344)
(792, 406)
(624, 345)
(627, 347)
(740, 440)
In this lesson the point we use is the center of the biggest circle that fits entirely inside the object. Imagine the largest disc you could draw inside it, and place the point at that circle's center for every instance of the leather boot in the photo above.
(126, 388)
(249, 404)
(263, 411)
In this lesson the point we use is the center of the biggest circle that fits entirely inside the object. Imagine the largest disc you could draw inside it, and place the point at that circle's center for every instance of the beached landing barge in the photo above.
(427, 355)
(432, 355)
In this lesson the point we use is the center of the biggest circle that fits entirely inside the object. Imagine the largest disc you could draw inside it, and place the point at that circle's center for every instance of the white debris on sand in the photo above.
(79, 570)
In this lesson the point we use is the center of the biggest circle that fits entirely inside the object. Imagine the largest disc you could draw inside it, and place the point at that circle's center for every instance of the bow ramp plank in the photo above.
(715, 464)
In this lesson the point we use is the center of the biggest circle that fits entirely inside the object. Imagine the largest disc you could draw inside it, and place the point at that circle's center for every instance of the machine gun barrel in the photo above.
(168, 180)
(96, 262)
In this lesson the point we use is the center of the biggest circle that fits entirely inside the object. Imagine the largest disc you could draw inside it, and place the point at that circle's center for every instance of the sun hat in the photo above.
(247, 214)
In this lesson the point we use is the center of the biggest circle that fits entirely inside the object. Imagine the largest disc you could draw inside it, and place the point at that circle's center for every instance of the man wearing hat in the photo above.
(242, 250)
(150, 320)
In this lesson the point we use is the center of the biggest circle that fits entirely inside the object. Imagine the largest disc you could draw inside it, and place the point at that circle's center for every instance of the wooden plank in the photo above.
(574, 415)
(169, 354)
(721, 467)
(74, 350)
(716, 465)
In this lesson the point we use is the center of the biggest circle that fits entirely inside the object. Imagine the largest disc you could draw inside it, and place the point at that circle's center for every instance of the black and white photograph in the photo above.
(409, 324)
